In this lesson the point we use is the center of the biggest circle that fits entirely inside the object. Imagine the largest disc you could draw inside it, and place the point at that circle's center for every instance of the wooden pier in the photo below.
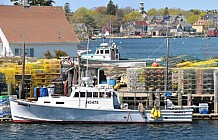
(5, 119)
(211, 116)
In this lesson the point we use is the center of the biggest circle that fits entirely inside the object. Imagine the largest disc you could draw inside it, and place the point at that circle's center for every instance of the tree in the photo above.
(152, 12)
(80, 14)
(193, 18)
(59, 53)
(67, 7)
(133, 16)
(35, 2)
(101, 9)
(111, 8)
(166, 12)
(48, 55)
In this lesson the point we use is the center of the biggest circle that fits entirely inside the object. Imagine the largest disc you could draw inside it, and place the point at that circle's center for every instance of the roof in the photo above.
(35, 24)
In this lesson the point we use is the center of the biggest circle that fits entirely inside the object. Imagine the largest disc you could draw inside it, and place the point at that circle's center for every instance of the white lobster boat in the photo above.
(90, 105)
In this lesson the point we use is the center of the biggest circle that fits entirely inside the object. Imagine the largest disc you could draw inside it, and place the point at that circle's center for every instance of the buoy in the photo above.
(155, 64)
(152, 111)
(158, 113)
(155, 113)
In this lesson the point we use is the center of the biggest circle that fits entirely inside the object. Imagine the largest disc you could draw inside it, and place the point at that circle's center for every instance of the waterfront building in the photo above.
(38, 28)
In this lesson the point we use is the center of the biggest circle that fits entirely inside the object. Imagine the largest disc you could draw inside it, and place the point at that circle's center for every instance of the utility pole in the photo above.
(23, 73)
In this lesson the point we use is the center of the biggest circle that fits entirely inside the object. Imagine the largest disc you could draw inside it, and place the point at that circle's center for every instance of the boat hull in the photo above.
(27, 112)
(30, 112)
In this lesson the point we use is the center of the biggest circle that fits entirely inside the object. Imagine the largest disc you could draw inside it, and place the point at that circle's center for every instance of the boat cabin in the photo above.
(106, 51)
(85, 97)
(100, 97)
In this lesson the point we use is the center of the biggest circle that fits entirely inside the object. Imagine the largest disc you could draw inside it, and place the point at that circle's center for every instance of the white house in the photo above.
(40, 28)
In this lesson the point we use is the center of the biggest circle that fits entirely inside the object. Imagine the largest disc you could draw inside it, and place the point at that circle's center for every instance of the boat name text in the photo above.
(91, 102)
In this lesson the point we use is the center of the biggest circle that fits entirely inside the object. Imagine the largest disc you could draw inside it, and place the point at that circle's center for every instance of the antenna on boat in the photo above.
(167, 67)
(87, 60)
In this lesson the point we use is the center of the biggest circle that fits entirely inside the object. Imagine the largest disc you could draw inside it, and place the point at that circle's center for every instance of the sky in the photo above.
(134, 4)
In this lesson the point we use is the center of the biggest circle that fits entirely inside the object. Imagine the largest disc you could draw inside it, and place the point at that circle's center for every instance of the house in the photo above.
(39, 28)
(127, 29)
(200, 25)
(134, 28)
(212, 32)
(160, 30)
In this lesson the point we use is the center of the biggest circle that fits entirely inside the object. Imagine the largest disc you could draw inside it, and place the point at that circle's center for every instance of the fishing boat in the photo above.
(109, 53)
(106, 52)
(89, 104)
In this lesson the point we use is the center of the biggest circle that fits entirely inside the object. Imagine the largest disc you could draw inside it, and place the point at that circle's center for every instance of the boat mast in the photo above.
(87, 60)
(167, 67)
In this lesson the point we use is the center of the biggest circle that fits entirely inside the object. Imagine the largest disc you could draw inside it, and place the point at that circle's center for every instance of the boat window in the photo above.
(89, 94)
(47, 102)
(95, 94)
(97, 52)
(76, 94)
(101, 94)
(102, 52)
(59, 102)
(82, 94)
(106, 51)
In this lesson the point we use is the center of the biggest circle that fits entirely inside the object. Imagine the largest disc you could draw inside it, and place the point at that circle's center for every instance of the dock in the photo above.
(211, 116)
(5, 119)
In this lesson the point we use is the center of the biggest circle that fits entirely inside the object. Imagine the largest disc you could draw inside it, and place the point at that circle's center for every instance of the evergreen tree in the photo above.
(166, 12)
(67, 7)
(34, 2)
(111, 8)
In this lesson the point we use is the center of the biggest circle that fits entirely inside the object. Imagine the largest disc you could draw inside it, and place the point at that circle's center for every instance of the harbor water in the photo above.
(137, 49)
(200, 130)
(194, 48)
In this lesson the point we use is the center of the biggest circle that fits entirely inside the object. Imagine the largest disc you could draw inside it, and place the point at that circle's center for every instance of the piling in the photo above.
(151, 98)
(215, 73)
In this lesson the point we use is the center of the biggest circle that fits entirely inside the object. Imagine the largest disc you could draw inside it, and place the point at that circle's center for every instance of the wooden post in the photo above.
(189, 99)
(20, 91)
(9, 88)
(157, 98)
(215, 75)
(151, 100)
(179, 98)
(23, 73)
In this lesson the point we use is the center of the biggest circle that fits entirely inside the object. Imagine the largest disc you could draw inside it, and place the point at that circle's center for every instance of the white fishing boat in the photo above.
(91, 105)
(109, 53)
(105, 52)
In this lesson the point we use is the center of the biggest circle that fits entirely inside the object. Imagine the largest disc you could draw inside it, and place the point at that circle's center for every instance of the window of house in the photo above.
(29, 52)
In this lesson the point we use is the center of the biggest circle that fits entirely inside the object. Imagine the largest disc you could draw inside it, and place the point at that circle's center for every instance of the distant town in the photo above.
(140, 23)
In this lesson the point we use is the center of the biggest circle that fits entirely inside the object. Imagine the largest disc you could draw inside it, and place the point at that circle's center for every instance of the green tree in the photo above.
(79, 15)
(166, 12)
(133, 16)
(48, 55)
(152, 12)
(193, 18)
(111, 8)
(67, 7)
(59, 53)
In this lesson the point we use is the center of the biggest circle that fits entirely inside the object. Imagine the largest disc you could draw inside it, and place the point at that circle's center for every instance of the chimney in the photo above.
(26, 4)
